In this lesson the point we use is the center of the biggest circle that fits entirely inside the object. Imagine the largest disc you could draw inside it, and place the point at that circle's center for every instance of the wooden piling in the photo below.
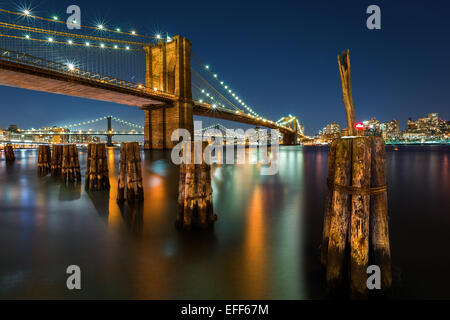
(70, 168)
(360, 212)
(339, 215)
(56, 161)
(379, 229)
(356, 216)
(131, 172)
(195, 207)
(347, 97)
(44, 160)
(329, 203)
(97, 175)
(9, 153)
(358, 225)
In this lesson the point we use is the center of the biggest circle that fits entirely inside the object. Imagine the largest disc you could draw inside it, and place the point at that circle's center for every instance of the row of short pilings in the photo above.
(130, 176)
(195, 206)
(355, 232)
(9, 153)
(195, 191)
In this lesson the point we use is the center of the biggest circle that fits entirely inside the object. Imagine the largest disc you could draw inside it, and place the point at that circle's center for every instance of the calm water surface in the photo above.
(265, 244)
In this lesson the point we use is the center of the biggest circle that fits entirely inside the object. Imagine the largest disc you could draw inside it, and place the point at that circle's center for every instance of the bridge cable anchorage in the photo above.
(117, 30)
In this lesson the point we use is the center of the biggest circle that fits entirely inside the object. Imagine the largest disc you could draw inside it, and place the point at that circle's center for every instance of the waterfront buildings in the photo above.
(427, 129)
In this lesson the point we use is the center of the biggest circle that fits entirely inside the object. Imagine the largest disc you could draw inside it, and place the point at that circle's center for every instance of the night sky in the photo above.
(280, 56)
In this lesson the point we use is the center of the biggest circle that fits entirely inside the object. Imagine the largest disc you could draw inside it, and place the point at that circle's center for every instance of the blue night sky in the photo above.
(280, 56)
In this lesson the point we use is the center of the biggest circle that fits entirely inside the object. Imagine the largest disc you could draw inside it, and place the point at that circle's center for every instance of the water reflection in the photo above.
(255, 263)
(133, 217)
(264, 244)
(70, 191)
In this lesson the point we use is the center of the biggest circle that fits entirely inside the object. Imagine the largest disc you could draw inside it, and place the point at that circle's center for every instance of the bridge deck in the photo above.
(34, 78)
(26, 76)
(203, 109)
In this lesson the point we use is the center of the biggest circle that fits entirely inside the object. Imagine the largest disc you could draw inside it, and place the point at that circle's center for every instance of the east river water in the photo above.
(265, 244)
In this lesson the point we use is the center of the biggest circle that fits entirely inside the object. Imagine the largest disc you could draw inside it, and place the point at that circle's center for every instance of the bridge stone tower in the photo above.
(290, 139)
(169, 70)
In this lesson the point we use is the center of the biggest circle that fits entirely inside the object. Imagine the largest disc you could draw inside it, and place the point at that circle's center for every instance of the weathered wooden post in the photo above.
(9, 153)
(56, 165)
(70, 168)
(97, 175)
(359, 221)
(195, 207)
(44, 160)
(379, 228)
(347, 97)
(355, 223)
(130, 173)
(329, 202)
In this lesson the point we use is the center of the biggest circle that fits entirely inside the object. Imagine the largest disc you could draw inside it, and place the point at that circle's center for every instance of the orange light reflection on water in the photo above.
(255, 252)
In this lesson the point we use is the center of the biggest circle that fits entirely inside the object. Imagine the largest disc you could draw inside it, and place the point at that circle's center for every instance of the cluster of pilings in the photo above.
(195, 206)
(97, 177)
(355, 233)
(130, 176)
(61, 162)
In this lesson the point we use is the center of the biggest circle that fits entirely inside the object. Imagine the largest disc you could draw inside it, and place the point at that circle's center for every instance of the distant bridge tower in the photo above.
(109, 136)
(169, 70)
(290, 139)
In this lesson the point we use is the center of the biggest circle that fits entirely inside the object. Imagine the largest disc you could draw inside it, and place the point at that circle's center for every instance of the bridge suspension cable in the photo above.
(27, 13)
(79, 124)
(83, 123)
(99, 49)
(225, 87)
(66, 34)
(208, 95)
(127, 123)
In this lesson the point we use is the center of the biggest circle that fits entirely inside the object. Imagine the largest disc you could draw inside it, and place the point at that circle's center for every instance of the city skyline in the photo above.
(294, 76)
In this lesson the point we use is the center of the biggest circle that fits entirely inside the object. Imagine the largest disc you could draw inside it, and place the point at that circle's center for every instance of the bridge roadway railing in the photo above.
(29, 60)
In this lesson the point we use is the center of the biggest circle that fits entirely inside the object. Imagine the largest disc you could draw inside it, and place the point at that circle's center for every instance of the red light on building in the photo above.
(359, 126)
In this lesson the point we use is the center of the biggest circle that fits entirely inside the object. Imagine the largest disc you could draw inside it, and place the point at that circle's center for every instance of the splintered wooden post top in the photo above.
(344, 71)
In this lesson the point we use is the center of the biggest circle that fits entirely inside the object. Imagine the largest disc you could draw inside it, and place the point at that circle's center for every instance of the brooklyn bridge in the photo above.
(161, 76)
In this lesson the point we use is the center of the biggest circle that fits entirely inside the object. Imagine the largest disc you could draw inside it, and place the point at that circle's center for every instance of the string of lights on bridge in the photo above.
(102, 119)
(26, 12)
(228, 89)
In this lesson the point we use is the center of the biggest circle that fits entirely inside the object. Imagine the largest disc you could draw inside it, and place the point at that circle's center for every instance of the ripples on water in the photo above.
(265, 244)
